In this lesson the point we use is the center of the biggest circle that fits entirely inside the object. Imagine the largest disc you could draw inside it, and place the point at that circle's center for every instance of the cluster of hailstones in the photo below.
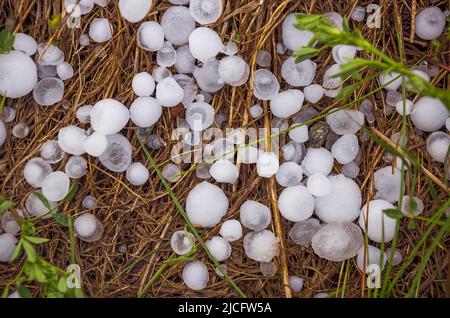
(305, 174)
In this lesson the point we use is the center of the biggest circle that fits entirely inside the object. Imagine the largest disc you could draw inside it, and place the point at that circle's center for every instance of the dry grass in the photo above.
(142, 218)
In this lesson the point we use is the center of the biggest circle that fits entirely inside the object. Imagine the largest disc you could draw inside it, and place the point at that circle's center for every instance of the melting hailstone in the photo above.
(224, 171)
(379, 225)
(169, 93)
(289, 174)
(317, 160)
(254, 215)
(24, 43)
(83, 114)
(8, 244)
(100, 30)
(35, 207)
(205, 44)
(71, 140)
(95, 144)
(296, 203)
(345, 149)
(233, 70)
(166, 55)
(313, 93)
(75, 167)
(388, 183)
(177, 24)
(199, 116)
(298, 74)
(294, 38)
(261, 246)
(303, 231)
(89, 202)
(150, 36)
(296, 283)
(207, 76)
(344, 122)
(48, 91)
(55, 186)
(266, 85)
(117, 156)
(134, 10)
(267, 164)
(429, 114)
(36, 170)
(430, 22)
(64, 71)
(219, 248)
(318, 185)
(205, 11)
(137, 174)
(88, 228)
(181, 242)
(438, 143)
(286, 103)
(109, 116)
(231, 230)
(268, 269)
(145, 111)
(195, 275)
(171, 172)
(374, 256)
(185, 63)
(411, 205)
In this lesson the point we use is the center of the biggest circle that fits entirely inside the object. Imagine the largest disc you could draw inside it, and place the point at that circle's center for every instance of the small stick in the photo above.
(413, 20)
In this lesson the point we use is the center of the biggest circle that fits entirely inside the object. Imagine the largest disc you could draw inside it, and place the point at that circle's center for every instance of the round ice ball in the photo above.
(36, 170)
(181, 242)
(137, 174)
(388, 183)
(224, 171)
(289, 174)
(145, 111)
(36, 207)
(330, 81)
(24, 43)
(254, 215)
(219, 248)
(404, 107)
(64, 71)
(298, 133)
(317, 160)
(205, 11)
(49, 54)
(166, 55)
(143, 84)
(438, 144)
(134, 10)
(261, 246)
(71, 139)
(298, 74)
(411, 205)
(287, 103)
(267, 164)
(169, 93)
(345, 121)
(83, 114)
(294, 38)
(48, 91)
(117, 156)
(177, 24)
(89, 202)
(206, 204)
(195, 275)
(8, 245)
(429, 114)
(95, 144)
(75, 167)
(374, 256)
(200, 116)
(390, 81)
(204, 44)
(296, 283)
(51, 152)
(319, 185)
(56, 186)
(9, 223)
(88, 228)
(171, 172)
(233, 70)
(378, 223)
(313, 93)
(345, 149)
(18, 74)
(231, 230)
(296, 203)
(109, 116)
(343, 53)
(430, 22)
(265, 85)
(150, 36)
(100, 30)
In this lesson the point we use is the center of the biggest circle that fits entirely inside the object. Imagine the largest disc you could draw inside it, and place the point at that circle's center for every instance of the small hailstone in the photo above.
(205, 11)
(55, 186)
(171, 172)
(206, 204)
(429, 114)
(438, 144)
(303, 231)
(343, 53)
(204, 44)
(195, 275)
(109, 116)
(254, 215)
(430, 22)
(256, 111)
(392, 98)
(24, 43)
(233, 70)
(88, 228)
(134, 10)
(64, 71)
(248, 154)
(219, 248)
(331, 82)
(319, 185)
(342, 204)
(404, 107)
(378, 223)
(358, 13)
(8, 245)
(281, 49)
(317, 160)
(169, 93)
(159, 73)
(397, 257)
(9, 222)
(267, 164)
(299, 133)
(181, 242)
(344, 122)
(374, 256)
(294, 38)
(333, 92)
(95, 144)
(36, 170)
(298, 74)
(155, 142)
(296, 283)
(84, 40)
(2, 133)
(294, 151)
(313, 93)
(394, 79)
(83, 114)
(296, 203)
(289, 174)
(177, 24)
(337, 241)
(263, 58)
(137, 174)
(166, 55)
(117, 156)
(100, 30)
(345, 149)
(268, 269)
(35, 207)
(50, 54)
(350, 170)
(75, 167)
(388, 183)
(20, 130)
(150, 36)
(207, 77)
(89, 202)
(231, 230)
(266, 85)
(223, 171)
(230, 48)
(143, 84)
(199, 116)
(48, 91)
(411, 205)
(335, 18)
(82, 6)
(71, 140)
(185, 63)
(261, 246)
(145, 111)
(286, 103)
(8, 115)
(203, 172)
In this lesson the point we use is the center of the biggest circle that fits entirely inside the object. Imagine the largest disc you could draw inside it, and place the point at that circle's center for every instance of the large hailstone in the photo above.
(145, 111)
(195, 275)
(317, 160)
(205, 44)
(429, 114)
(134, 10)
(95, 144)
(48, 91)
(261, 246)
(219, 248)
(185, 63)
(388, 183)
(18, 74)
(24, 43)
(298, 74)
(177, 24)
(231, 230)
(378, 223)
(233, 70)
(254, 215)
(345, 149)
(430, 22)
(56, 186)
(8, 245)
(294, 38)
(36, 170)
(169, 93)
(109, 116)
(205, 11)
(199, 116)
(100, 30)
(71, 139)
(117, 156)
(342, 204)
(206, 204)
(265, 85)
(345, 121)
(286, 103)
(289, 174)
(2, 133)
(150, 36)
(296, 203)
(437, 145)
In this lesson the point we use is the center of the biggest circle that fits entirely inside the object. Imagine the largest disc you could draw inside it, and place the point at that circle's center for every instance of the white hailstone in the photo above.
(18, 74)
(219, 248)
(177, 24)
(337, 241)
(350, 170)
(181, 242)
(159, 73)
(84, 40)
(95, 144)
(75, 167)
(281, 49)
(358, 14)
(373, 256)
(429, 114)
(117, 156)
(150, 36)
(254, 215)
(411, 205)
(207, 76)
(20, 130)
(438, 144)
(345, 121)
(49, 54)
(345, 149)
(171, 172)
(393, 78)
(24, 43)
(294, 151)
(71, 140)
(266, 85)
(169, 93)
(378, 223)
(137, 174)
(64, 71)
(302, 232)
(100, 30)
(313, 93)
(286, 103)
(267, 164)
(185, 63)
(261, 246)
(8, 245)
(343, 53)
(299, 133)
(298, 74)
(48, 91)
(256, 111)
(223, 171)
(143, 84)
(231, 230)
(430, 22)
(199, 116)
(342, 204)
(9, 222)
(166, 55)
(36, 170)
(268, 269)
(145, 111)
(330, 82)
(404, 107)
(233, 70)
(230, 48)
(263, 58)
(296, 283)
(195, 275)
(319, 185)
(89, 202)
(289, 174)
(204, 44)
(8, 115)
(83, 114)
(397, 257)
(296, 203)
(388, 183)
(88, 228)
(134, 10)
(248, 154)
(109, 116)
(35, 207)
(317, 160)
(206, 204)
(392, 98)
(55, 186)
(294, 38)
(335, 18)
(205, 11)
